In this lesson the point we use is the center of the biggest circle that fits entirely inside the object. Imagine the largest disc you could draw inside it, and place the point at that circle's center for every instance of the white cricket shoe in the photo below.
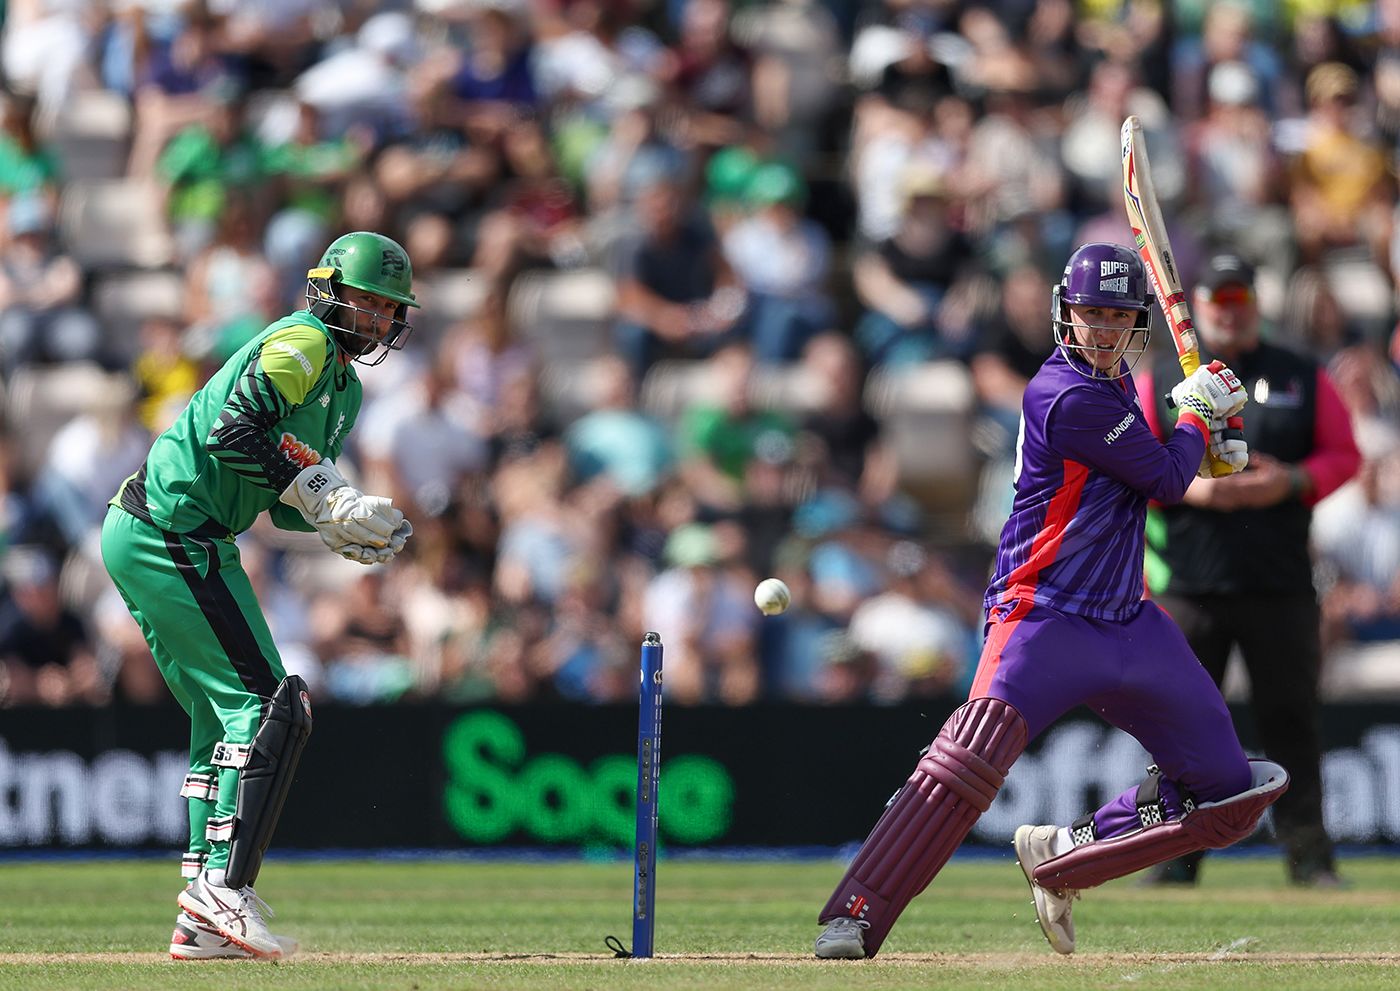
(842, 939)
(236, 914)
(1034, 846)
(195, 939)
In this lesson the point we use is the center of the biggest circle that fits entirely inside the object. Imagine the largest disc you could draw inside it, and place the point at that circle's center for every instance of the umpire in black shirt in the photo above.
(1237, 548)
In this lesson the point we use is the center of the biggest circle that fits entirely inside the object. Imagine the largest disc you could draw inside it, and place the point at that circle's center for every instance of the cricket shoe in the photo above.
(1034, 846)
(195, 939)
(236, 913)
(842, 939)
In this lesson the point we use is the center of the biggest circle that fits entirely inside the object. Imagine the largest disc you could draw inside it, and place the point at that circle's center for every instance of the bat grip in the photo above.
(1189, 362)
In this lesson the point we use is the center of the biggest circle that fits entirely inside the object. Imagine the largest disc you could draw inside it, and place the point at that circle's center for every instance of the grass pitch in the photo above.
(433, 925)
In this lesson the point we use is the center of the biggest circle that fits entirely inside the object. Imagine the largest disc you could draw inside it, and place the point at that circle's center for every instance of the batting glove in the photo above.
(342, 514)
(1210, 392)
(1227, 442)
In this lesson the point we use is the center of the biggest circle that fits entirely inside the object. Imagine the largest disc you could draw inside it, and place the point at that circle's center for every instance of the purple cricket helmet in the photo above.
(1106, 275)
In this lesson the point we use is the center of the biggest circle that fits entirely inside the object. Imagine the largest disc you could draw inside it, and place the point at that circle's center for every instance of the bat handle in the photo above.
(1189, 362)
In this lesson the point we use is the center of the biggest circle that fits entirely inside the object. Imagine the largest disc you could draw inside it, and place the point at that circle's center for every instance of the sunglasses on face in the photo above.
(1232, 296)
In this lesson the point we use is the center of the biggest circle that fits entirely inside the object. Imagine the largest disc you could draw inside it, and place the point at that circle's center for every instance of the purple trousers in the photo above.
(1139, 675)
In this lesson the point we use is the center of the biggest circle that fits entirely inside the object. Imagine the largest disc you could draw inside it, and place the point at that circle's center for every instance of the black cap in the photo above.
(1225, 270)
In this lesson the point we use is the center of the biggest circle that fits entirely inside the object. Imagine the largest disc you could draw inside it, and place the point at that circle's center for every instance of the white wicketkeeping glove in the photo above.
(342, 514)
(377, 555)
(1227, 443)
(1211, 392)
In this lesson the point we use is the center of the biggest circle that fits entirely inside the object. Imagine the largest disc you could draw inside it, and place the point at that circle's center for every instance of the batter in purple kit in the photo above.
(1067, 625)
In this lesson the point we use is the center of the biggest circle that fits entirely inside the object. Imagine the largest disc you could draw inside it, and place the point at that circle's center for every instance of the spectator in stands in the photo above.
(536, 219)
(847, 449)
(164, 374)
(1010, 348)
(171, 77)
(616, 440)
(901, 281)
(485, 353)
(675, 291)
(46, 657)
(222, 278)
(360, 636)
(204, 163)
(1357, 537)
(719, 438)
(920, 628)
(41, 319)
(782, 259)
(713, 72)
(274, 38)
(87, 460)
(1013, 178)
(492, 84)
(704, 602)
(44, 50)
(1236, 174)
(1340, 189)
(422, 442)
(310, 168)
(26, 164)
(636, 152)
(1090, 143)
(1228, 36)
(366, 82)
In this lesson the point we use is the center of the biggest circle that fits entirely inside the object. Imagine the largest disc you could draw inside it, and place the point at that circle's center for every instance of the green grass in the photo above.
(421, 925)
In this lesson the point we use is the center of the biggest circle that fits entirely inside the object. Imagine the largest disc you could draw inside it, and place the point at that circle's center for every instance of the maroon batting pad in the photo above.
(1213, 825)
(951, 786)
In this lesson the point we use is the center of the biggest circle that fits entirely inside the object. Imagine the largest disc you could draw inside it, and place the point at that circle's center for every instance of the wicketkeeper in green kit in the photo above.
(262, 435)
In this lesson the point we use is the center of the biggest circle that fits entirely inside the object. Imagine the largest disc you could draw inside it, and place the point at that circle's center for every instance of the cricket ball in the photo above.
(772, 596)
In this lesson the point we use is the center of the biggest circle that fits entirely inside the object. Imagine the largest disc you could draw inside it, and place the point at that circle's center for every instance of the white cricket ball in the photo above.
(772, 596)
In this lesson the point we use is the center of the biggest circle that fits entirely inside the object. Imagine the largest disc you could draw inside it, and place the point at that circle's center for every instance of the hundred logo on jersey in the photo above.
(298, 452)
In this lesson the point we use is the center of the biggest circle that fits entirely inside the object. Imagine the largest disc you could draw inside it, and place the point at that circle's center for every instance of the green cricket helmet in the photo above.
(371, 263)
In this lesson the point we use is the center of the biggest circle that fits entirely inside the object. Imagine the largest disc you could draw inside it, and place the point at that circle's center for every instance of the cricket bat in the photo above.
(1150, 239)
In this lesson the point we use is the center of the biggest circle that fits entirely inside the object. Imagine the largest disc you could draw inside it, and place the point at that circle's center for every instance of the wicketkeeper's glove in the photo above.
(343, 515)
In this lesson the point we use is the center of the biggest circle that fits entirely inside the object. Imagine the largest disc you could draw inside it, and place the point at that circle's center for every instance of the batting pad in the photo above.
(265, 777)
(1210, 826)
(929, 817)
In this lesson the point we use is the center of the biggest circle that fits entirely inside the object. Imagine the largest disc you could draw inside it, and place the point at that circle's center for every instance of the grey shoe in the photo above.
(842, 939)
(1034, 846)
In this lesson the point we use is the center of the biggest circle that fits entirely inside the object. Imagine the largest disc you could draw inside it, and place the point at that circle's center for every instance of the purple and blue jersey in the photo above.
(1087, 464)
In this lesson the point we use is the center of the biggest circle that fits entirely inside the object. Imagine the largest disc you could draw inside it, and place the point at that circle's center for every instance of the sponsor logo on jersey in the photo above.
(287, 349)
(297, 452)
(335, 434)
(1119, 430)
(325, 400)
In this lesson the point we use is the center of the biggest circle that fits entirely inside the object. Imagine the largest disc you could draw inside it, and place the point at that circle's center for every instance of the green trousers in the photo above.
(197, 610)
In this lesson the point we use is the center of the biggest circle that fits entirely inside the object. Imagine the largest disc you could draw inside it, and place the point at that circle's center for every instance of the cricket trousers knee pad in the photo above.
(953, 784)
(1210, 825)
(265, 771)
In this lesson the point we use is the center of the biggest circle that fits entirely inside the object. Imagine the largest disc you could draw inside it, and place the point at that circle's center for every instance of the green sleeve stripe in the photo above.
(292, 359)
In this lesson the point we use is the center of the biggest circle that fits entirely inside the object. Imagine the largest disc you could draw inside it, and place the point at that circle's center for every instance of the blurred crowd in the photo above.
(676, 258)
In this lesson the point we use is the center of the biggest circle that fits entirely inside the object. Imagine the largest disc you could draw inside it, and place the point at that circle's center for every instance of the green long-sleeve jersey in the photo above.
(284, 401)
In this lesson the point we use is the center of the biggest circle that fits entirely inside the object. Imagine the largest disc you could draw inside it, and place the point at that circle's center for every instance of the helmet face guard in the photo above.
(371, 263)
(1109, 276)
(351, 324)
